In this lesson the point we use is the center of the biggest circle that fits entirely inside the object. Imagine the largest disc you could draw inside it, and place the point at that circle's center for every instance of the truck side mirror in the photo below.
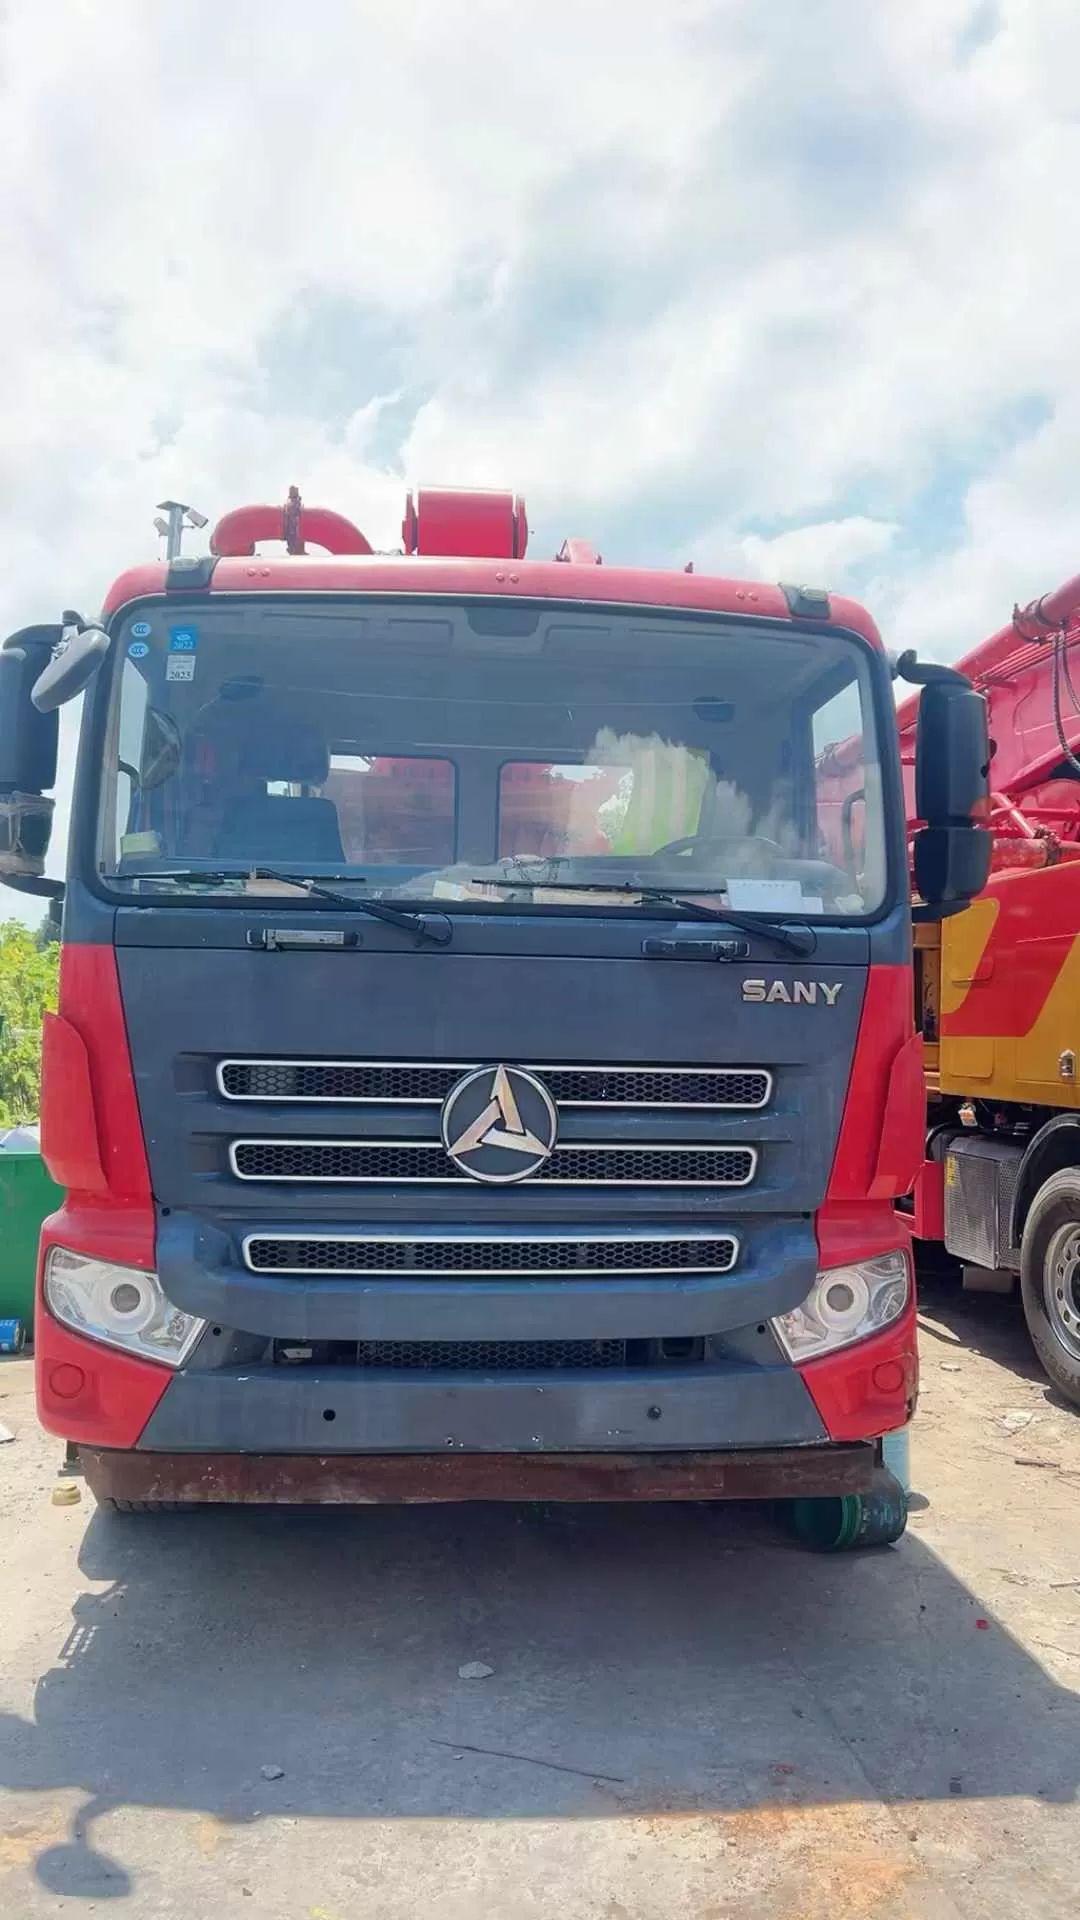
(952, 790)
(952, 752)
(73, 665)
(28, 749)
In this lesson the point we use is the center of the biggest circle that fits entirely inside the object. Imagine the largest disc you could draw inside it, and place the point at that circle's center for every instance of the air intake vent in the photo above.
(406, 1161)
(555, 1254)
(331, 1082)
(487, 1356)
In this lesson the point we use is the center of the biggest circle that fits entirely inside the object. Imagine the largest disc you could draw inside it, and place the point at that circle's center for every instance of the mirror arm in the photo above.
(921, 673)
(926, 913)
(31, 883)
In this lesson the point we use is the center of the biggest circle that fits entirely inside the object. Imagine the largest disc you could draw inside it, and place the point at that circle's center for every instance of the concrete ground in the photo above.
(687, 1716)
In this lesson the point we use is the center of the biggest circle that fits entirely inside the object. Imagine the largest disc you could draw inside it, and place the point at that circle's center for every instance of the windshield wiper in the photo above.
(801, 941)
(438, 929)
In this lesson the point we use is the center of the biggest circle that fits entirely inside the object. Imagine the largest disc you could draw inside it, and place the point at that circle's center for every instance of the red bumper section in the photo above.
(870, 1388)
(90, 1393)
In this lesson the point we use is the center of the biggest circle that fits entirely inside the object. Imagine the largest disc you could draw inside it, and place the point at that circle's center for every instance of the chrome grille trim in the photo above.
(230, 1072)
(437, 1241)
(433, 1153)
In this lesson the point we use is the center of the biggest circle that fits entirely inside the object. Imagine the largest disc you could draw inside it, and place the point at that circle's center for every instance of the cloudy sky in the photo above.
(783, 286)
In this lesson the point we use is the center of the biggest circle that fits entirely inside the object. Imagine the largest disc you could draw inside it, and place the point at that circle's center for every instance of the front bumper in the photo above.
(421, 1478)
(342, 1410)
(104, 1399)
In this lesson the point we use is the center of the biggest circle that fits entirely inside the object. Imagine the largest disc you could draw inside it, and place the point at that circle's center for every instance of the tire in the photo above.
(1050, 1280)
(852, 1522)
(145, 1506)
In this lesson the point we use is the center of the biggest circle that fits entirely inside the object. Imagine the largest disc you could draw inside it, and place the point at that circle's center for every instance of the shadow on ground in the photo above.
(990, 1324)
(674, 1659)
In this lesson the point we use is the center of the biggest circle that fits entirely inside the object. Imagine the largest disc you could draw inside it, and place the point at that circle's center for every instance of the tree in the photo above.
(48, 928)
(28, 983)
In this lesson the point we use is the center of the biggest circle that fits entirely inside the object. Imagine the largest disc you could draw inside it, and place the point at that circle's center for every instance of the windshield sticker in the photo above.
(180, 666)
(183, 639)
(132, 845)
(769, 896)
(140, 629)
(138, 650)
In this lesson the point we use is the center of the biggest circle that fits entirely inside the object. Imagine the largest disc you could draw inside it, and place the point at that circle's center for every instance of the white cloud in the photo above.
(775, 275)
(826, 552)
(1020, 537)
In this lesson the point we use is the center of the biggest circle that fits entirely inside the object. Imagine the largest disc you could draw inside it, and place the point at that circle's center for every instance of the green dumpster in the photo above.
(26, 1195)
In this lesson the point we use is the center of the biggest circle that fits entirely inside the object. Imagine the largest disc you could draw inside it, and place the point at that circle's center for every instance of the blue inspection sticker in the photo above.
(138, 650)
(183, 639)
(140, 629)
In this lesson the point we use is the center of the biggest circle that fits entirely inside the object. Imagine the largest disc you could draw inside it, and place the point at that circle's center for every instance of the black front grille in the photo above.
(271, 1253)
(333, 1081)
(656, 1086)
(358, 1161)
(492, 1356)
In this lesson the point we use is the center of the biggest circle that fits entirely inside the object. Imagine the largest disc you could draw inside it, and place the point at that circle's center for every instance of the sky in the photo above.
(784, 289)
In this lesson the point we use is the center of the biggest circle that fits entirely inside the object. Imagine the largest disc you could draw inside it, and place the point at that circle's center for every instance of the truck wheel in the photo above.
(145, 1506)
(849, 1522)
(1050, 1280)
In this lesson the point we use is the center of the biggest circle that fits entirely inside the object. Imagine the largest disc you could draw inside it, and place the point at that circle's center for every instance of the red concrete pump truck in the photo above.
(485, 1063)
(997, 998)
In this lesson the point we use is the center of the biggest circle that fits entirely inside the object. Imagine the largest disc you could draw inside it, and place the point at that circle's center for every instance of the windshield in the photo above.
(520, 756)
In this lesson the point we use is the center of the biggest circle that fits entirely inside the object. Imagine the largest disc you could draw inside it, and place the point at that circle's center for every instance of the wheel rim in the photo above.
(1062, 1288)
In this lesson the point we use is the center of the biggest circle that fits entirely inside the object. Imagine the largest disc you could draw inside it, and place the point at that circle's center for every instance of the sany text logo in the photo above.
(801, 993)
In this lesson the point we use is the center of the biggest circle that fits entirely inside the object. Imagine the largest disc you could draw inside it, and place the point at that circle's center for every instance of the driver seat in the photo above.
(267, 828)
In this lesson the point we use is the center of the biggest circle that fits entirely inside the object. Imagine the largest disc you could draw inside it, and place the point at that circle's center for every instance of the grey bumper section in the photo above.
(344, 1410)
(198, 1269)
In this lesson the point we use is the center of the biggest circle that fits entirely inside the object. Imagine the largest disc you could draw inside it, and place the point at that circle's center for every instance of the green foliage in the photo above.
(28, 981)
(48, 929)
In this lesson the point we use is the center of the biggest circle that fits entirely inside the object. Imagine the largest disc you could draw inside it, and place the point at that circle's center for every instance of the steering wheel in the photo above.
(820, 875)
(690, 841)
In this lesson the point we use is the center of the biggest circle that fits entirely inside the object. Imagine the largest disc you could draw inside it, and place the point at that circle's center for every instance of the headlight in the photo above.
(846, 1304)
(122, 1306)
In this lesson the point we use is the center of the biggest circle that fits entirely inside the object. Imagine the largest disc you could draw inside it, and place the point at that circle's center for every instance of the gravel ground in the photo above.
(262, 1712)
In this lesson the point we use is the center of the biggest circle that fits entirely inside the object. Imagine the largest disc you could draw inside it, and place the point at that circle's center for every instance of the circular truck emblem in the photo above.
(499, 1125)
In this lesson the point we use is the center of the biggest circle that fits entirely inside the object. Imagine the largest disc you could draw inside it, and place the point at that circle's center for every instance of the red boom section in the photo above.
(92, 1143)
(1016, 668)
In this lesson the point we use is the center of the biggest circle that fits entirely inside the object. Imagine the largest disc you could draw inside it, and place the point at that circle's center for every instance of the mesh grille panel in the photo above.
(330, 1160)
(267, 1254)
(341, 1080)
(492, 1356)
(569, 1086)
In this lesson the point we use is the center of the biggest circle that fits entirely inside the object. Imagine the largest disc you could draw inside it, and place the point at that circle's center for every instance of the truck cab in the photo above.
(485, 1063)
